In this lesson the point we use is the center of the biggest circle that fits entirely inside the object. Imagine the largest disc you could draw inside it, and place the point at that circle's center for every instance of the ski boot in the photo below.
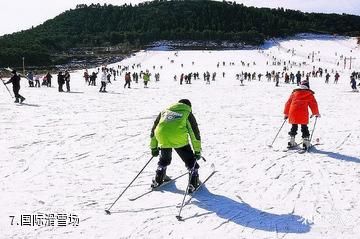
(292, 142)
(160, 177)
(17, 100)
(194, 181)
(306, 143)
(22, 99)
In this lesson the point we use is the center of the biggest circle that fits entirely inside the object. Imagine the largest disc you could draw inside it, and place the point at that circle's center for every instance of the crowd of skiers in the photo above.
(134, 73)
(167, 133)
(295, 78)
(106, 74)
(34, 79)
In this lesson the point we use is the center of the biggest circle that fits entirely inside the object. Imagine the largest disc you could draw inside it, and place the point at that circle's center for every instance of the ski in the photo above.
(197, 189)
(297, 148)
(303, 150)
(158, 187)
(291, 148)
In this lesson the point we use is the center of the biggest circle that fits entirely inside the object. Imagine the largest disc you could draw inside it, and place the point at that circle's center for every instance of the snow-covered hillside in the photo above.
(74, 153)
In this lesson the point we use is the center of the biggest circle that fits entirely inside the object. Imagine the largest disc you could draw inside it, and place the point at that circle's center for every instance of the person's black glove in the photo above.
(316, 116)
(286, 117)
(197, 155)
(155, 152)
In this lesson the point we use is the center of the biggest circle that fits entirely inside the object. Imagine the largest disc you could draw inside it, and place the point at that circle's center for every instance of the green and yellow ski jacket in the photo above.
(173, 127)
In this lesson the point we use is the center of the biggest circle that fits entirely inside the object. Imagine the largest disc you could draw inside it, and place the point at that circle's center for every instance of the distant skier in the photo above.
(287, 78)
(15, 80)
(146, 79)
(30, 77)
(207, 77)
(61, 81)
(67, 81)
(108, 76)
(296, 110)
(93, 77)
(277, 79)
(337, 76)
(157, 77)
(37, 80)
(48, 79)
(86, 76)
(103, 81)
(171, 130)
(241, 79)
(181, 78)
(136, 78)
(114, 73)
(44, 81)
(298, 78)
(353, 84)
(189, 78)
(127, 80)
(292, 78)
(327, 77)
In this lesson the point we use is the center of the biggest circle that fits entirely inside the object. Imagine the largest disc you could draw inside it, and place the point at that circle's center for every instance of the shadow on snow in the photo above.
(244, 214)
(240, 213)
(336, 155)
(27, 104)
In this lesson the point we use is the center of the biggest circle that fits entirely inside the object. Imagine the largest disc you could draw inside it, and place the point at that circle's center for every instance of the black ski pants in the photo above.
(103, 86)
(127, 83)
(304, 130)
(353, 86)
(60, 85)
(186, 154)
(68, 86)
(16, 90)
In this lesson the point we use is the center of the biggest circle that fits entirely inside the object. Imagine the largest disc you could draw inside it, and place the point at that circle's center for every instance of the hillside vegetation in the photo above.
(88, 30)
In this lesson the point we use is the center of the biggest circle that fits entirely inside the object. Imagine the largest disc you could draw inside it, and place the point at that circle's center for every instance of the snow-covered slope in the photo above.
(74, 153)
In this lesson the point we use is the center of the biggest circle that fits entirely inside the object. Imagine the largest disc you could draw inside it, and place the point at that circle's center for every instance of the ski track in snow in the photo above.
(75, 153)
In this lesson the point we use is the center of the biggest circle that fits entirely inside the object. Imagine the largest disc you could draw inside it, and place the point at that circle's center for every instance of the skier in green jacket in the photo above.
(171, 130)
(146, 78)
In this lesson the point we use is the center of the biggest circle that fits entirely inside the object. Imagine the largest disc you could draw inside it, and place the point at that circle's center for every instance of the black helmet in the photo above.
(305, 84)
(185, 101)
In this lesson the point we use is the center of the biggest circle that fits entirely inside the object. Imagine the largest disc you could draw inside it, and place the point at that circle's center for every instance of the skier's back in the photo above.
(296, 110)
(171, 130)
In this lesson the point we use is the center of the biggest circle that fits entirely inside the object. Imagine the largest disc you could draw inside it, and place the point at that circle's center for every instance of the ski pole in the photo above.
(108, 210)
(179, 217)
(6, 87)
(312, 133)
(277, 133)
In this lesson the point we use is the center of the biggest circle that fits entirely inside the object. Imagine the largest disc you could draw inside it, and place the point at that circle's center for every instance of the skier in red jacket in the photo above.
(296, 110)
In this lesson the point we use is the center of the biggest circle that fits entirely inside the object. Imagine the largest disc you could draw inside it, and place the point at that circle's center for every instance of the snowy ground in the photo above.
(74, 153)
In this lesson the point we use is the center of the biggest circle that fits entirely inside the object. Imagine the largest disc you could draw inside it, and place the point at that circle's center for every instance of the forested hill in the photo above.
(80, 31)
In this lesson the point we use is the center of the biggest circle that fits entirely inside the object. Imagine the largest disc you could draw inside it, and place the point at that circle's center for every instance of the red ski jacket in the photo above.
(296, 108)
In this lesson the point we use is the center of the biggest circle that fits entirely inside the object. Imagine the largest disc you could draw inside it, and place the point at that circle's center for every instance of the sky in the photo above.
(17, 15)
